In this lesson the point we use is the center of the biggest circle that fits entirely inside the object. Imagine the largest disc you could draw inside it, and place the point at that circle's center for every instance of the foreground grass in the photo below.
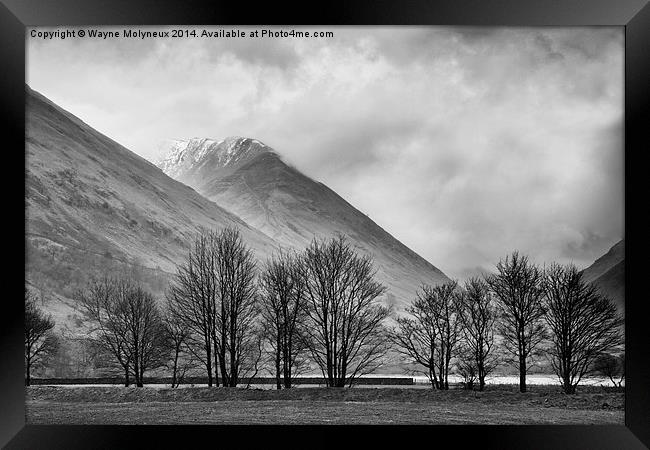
(119, 405)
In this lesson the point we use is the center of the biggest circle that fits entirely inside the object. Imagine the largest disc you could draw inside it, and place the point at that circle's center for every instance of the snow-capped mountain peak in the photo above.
(184, 155)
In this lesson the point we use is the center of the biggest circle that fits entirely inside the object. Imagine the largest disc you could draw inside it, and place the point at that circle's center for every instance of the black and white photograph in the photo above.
(347, 225)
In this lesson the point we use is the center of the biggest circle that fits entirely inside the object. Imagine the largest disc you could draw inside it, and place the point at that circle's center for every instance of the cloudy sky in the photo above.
(464, 143)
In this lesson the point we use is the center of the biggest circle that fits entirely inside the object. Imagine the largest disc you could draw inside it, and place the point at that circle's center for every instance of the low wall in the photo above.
(204, 380)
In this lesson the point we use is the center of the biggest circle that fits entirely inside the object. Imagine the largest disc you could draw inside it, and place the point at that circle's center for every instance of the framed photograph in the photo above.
(406, 222)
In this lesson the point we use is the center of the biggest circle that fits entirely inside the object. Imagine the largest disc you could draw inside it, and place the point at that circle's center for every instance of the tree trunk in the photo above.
(522, 374)
(136, 373)
(277, 369)
(328, 355)
(432, 374)
(233, 375)
(432, 379)
(223, 329)
(568, 386)
(225, 381)
(286, 364)
(287, 377)
(208, 362)
(174, 370)
(481, 374)
(216, 363)
(224, 372)
(127, 382)
(344, 370)
(27, 375)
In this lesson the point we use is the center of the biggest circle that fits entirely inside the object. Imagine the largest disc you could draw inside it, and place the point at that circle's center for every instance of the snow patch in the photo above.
(185, 155)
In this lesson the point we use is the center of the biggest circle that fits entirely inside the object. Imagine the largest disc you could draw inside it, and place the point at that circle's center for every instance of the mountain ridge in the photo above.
(292, 208)
(194, 153)
(608, 273)
(95, 208)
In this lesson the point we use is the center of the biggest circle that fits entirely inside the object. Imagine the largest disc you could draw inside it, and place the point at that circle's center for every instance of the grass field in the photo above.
(202, 405)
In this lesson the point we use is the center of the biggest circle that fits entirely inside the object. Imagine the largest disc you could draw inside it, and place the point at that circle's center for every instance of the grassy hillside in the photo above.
(93, 208)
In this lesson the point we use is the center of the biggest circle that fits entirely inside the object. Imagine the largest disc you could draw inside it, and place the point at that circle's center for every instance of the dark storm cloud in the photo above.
(465, 143)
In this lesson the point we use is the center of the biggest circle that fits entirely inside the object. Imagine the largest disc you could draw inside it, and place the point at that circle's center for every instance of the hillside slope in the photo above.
(608, 273)
(251, 180)
(94, 207)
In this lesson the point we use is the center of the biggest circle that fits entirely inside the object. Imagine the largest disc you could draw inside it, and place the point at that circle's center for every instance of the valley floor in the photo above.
(202, 405)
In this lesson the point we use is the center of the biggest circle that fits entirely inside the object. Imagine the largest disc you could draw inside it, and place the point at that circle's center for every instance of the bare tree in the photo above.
(584, 324)
(255, 354)
(126, 324)
(176, 340)
(477, 313)
(442, 300)
(611, 366)
(236, 318)
(283, 296)
(87, 358)
(518, 287)
(40, 340)
(73, 358)
(107, 331)
(145, 332)
(417, 339)
(344, 328)
(430, 336)
(621, 375)
(193, 296)
(214, 294)
(467, 367)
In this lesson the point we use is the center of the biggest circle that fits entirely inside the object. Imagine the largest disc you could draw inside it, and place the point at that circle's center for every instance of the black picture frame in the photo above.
(634, 15)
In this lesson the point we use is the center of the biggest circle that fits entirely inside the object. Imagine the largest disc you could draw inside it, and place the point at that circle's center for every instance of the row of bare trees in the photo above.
(319, 309)
(320, 306)
(527, 310)
(214, 297)
(448, 322)
(297, 312)
(583, 324)
(125, 324)
(283, 300)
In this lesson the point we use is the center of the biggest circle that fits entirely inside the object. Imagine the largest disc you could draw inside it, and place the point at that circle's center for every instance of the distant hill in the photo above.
(608, 273)
(250, 179)
(93, 207)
